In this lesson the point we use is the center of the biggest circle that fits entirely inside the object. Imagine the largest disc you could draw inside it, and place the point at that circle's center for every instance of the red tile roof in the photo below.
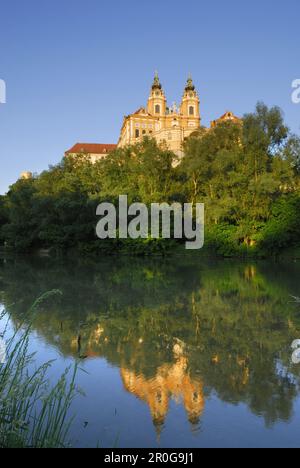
(91, 148)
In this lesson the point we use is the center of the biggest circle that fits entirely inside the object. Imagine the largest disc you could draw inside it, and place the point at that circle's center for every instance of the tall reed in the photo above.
(32, 412)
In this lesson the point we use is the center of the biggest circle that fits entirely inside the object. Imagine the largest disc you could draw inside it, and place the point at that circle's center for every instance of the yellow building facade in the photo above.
(171, 125)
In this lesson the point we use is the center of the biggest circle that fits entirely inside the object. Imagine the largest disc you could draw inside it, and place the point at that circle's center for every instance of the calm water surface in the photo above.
(174, 353)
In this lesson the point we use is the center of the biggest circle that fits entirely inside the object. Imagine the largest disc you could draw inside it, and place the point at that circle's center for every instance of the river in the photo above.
(176, 352)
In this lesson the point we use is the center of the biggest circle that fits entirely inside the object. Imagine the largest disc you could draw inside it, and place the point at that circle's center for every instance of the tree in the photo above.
(3, 217)
(240, 171)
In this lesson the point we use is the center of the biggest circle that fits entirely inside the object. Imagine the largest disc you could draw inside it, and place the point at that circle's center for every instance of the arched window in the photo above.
(137, 133)
(191, 110)
(157, 109)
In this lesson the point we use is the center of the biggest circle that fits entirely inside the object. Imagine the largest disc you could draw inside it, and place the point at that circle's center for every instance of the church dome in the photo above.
(156, 83)
(190, 85)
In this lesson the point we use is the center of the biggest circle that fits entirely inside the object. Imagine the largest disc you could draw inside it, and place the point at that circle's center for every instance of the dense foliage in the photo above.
(247, 175)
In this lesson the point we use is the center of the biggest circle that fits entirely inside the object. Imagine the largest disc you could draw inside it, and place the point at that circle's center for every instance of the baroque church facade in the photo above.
(171, 125)
(167, 125)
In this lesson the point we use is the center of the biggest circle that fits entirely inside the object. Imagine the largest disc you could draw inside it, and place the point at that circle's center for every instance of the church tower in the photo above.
(189, 108)
(157, 103)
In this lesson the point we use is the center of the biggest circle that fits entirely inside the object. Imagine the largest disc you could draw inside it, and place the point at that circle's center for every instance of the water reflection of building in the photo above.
(172, 381)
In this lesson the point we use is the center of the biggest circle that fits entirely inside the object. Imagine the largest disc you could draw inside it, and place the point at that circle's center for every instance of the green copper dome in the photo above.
(156, 82)
(190, 85)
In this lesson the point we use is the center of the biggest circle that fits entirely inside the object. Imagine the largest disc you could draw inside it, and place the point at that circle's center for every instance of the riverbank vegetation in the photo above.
(247, 175)
(33, 412)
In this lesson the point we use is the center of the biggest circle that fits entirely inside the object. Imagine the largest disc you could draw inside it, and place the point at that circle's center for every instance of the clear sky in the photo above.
(74, 68)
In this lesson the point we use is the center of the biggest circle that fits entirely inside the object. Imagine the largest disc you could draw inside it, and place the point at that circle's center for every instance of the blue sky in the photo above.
(74, 68)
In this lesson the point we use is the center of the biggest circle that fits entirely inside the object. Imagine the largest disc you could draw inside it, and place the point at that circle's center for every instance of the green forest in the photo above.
(247, 175)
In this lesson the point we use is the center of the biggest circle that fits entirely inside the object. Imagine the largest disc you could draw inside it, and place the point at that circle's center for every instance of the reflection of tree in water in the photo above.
(172, 327)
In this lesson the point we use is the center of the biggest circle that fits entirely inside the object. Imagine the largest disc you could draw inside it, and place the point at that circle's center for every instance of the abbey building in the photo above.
(168, 125)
